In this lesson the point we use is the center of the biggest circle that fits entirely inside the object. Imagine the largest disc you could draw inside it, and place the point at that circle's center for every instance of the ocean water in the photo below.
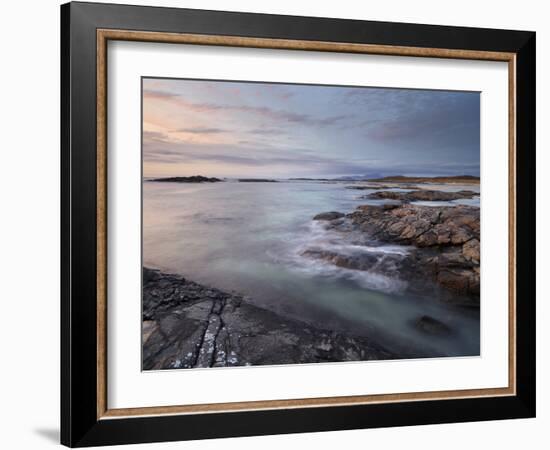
(250, 238)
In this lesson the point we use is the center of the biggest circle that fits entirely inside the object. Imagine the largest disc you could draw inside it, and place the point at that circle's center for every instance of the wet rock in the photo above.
(188, 325)
(470, 250)
(390, 206)
(379, 263)
(432, 326)
(331, 215)
(446, 240)
(456, 280)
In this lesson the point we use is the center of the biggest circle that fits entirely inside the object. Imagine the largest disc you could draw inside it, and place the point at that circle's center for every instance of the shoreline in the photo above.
(398, 181)
(445, 241)
(188, 325)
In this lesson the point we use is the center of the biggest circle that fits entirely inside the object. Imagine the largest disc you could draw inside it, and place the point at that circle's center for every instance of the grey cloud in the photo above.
(407, 114)
(270, 113)
(169, 152)
(413, 132)
(299, 162)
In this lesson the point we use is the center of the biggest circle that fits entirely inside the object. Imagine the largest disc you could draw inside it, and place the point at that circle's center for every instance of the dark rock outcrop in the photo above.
(433, 326)
(331, 215)
(444, 246)
(422, 195)
(446, 239)
(423, 226)
(192, 179)
(188, 325)
(363, 187)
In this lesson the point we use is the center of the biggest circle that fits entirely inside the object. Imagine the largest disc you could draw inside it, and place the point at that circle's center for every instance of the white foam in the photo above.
(319, 237)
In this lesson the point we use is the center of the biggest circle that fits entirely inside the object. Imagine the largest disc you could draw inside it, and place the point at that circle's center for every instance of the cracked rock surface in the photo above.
(188, 325)
(444, 241)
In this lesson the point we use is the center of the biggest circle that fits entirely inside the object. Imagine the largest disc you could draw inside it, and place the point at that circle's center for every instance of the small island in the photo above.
(309, 179)
(192, 179)
(459, 179)
(422, 195)
(256, 180)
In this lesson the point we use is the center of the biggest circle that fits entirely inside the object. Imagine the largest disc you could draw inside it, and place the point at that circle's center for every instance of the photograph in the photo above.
(271, 223)
(296, 224)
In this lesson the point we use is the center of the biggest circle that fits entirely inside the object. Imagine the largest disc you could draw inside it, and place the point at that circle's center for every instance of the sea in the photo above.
(250, 238)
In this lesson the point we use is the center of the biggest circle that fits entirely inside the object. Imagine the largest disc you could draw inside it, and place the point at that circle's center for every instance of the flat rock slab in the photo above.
(188, 325)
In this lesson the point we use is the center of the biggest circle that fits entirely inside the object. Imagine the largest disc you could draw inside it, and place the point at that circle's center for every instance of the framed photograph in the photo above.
(277, 224)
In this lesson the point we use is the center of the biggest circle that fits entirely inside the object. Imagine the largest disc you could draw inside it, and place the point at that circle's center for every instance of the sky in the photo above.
(244, 129)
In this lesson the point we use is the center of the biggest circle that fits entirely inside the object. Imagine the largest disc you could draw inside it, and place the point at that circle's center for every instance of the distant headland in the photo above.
(459, 179)
(192, 179)
(257, 180)
(401, 179)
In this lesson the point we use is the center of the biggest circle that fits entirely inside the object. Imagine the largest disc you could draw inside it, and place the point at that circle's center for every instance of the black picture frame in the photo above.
(80, 425)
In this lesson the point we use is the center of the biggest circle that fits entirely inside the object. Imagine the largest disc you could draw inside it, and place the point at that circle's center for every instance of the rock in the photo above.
(410, 223)
(147, 329)
(433, 326)
(150, 275)
(378, 263)
(470, 250)
(192, 179)
(422, 195)
(332, 215)
(382, 186)
(446, 240)
(456, 280)
(389, 206)
(364, 188)
(188, 325)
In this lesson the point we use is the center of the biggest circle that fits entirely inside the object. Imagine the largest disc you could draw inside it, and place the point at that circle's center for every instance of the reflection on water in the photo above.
(248, 238)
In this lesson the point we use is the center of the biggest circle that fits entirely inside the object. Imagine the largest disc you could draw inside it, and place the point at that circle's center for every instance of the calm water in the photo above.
(249, 238)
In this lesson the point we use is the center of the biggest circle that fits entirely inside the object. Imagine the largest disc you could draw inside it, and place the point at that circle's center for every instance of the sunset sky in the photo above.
(240, 129)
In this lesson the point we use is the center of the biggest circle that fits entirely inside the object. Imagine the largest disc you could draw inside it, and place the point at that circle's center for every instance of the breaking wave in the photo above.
(324, 251)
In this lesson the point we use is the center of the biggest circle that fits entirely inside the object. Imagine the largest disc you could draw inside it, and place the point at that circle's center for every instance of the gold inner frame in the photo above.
(104, 35)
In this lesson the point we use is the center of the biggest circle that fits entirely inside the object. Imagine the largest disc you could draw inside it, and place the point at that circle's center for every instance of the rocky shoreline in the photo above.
(422, 195)
(444, 245)
(188, 325)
